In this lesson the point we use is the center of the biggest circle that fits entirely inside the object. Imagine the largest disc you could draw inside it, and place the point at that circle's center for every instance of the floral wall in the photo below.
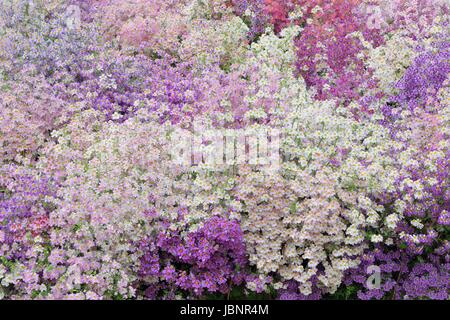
(94, 93)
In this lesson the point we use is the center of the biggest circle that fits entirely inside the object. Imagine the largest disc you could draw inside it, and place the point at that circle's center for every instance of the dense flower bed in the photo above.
(94, 95)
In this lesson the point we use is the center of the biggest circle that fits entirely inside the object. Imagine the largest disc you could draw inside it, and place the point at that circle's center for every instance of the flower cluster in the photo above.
(211, 258)
(24, 222)
(417, 117)
(94, 95)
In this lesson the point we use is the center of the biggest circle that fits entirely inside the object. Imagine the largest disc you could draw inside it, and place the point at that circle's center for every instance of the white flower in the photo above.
(416, 223)
(377, 238)
(116, 116)
(400, 206)
(391, 221)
